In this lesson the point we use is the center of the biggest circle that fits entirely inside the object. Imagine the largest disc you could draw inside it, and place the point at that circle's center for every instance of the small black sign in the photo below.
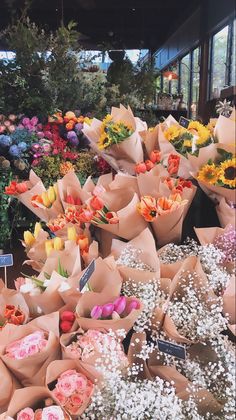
(86, 275)
(184, 122)
(172, 349)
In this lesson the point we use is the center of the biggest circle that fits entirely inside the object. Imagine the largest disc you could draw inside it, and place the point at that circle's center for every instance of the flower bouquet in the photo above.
(27, 350)
(117, 139)
(13, 307)
(165, 215)
(150, 139)
(224, 130)
(7, 387)
(34, 403)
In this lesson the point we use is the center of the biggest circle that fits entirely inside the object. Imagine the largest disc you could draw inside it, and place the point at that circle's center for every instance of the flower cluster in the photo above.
(27, 346)
(188, 140)
(112, 133)
(115, 310)
(221, 173)
(67, 319)
(226, 243)
(46, 413)
(12, 315)
(45, 199)
(151, 208)
(73, 390)
(177, 185)
(15, 188)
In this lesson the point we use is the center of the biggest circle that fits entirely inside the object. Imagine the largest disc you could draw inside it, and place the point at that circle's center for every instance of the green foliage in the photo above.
(48, 170)
(5, 200)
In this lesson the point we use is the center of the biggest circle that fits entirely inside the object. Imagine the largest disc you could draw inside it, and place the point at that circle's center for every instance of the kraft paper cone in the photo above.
(92, 253)
(225, 130)
(144, 242)
(150, 140)
(32, 370)
(124, 181)
(208, 235)
(12, 297)
(89, 300)
(186, 194)
(26, 397)
(70, 185)
(131, 223)
(232, 328)
(168, 227)
(8, 385)
(149, 182)
(225, 213)
(106, 278)
(37, 253)
(229, 300)
(57, 367)
(167, 148)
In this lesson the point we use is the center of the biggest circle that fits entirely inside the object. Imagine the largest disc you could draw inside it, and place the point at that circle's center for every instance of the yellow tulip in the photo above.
(49, 247)
(37, 229)
(71, 233)
(28, 238)
(46, 201)
(51, 194)
(58, 244)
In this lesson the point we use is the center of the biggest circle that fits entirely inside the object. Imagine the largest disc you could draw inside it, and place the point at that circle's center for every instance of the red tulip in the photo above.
(78, 202)
(149, 165)
(67, 316)
(140, 168)
(97, 203)
(70, 200)
(66, 326)
(173, 164)
(155, 156)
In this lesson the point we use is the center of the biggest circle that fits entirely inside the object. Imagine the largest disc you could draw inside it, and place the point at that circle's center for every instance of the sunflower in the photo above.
(173, 132)
(104, 141)
(201, 131)
(227, 173)
(209, 173)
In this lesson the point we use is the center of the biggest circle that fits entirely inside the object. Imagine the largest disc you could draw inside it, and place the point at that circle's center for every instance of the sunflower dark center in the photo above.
(153, 213)
(230, 173)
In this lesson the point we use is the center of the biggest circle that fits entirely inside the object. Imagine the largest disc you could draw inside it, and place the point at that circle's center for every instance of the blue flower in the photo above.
(14, 151)
(5, 141)
(22, 146)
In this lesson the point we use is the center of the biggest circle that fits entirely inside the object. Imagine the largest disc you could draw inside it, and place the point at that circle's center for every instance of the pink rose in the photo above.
(26, 414)
(66, 386)
(52, 413)
(76, 400)
(59, 397)
(38, 414)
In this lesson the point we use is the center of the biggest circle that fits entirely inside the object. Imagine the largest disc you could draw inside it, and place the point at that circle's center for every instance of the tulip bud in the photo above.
(46, 201)
(71, 233)
(48, 247)
(66, 326)
(140, 168)
(28, 238)
(134, 304)
(51, 194)
(37, 229)
(70, 200)
(78, 202)
(149, 165)
(115, 315)
(58, 244)
(83, 242)
(67, 316)
(120, 304)
(107, 310)
(96, 312)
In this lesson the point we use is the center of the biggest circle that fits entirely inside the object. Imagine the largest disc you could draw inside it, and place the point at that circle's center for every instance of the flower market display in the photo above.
(122, 316)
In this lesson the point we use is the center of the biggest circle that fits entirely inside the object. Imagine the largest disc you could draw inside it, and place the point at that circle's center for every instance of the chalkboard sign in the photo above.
(86, 275)
(6, 260)
(184, 122)
(172, 349)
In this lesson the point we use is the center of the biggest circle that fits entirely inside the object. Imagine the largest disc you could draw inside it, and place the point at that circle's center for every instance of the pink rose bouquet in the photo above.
(73, 391)
(27, 346)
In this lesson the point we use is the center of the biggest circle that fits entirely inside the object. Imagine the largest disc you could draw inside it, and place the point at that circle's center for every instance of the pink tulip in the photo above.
(107, 310)
(2, 129)
(134, 304)
(96, 312)
(40, 134)
(120, 304)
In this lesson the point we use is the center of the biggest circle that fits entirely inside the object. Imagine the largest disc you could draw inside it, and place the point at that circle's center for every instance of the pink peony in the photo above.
(26, 414)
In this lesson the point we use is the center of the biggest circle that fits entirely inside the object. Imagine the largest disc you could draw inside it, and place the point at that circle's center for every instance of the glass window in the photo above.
(195, 82)
(175, 82)
(218, 64)
(166, 84)
(185, 79)
(233, 62)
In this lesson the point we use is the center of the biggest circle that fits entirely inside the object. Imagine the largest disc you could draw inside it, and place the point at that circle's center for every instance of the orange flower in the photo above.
(155, 156)
(97, 203)
(173, 164)
(58, 223)
(69, 115)
(140, 168)
(148, 208)
(16, 188)
(70, 125)
(149, 165)
(83, 242)
(36, 199)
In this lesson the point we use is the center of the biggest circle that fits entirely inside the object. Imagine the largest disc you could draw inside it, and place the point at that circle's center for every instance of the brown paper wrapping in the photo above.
(89, 300)
(225, 213)
(229, 300)
(70, 185)
(150, 140)
(225, 129)
(12, 297)
(187, 194)
(37, 253)
(149, 182)
(8, 385)
(32, 370)
(124, 181)
(26, 397)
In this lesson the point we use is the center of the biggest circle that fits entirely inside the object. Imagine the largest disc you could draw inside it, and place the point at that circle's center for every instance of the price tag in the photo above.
(86, 275)
(172, 349)
(184, 122)
(6, 260)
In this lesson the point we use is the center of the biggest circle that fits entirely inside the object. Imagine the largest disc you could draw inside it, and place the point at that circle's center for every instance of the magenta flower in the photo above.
(134, 304)
(96, 312)
(120, 304)
(107, 310)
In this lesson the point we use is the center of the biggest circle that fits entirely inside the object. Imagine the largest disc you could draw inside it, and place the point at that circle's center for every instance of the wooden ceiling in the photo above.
(118, 23)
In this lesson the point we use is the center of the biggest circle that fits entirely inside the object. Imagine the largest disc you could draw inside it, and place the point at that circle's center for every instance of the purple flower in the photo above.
(14, 151)
(5, 141)
(96, 312)
(120, 304)
(40, 134)
(35, 147)
(25, 122)
(22, 146)
(107, 310)
(79, 126)
(134, 304)
(34, 121)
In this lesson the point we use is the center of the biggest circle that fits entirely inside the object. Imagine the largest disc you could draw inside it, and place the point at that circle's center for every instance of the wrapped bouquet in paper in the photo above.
(214, 169)
(13, 308)
(44, 203)
(70, 190)
(34, 244)
(165, 215)
(70, 386)
(34, 402)
(224, 131)
(150, 139)
(95, 311)
(117, 139)
(8, 385)
(27, 350)
(226, 213)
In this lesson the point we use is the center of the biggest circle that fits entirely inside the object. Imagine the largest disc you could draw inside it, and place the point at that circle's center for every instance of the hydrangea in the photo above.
(14, 151)
(5, 141)
(22, 146)
(23, 135)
